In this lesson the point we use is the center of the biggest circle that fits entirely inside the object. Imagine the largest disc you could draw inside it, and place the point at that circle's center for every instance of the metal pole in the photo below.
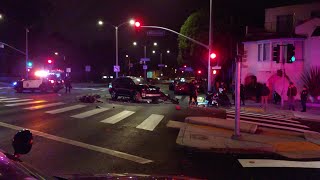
(117, 48)
(27, 52)
(161, 63)
(237, 99)
(144, 62)
(210, 46)
(283, 77)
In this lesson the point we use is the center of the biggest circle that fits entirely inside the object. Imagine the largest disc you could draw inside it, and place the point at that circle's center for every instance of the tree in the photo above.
(196, 27)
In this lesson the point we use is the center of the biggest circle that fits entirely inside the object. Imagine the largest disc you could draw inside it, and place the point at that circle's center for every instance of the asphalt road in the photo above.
(78, 142)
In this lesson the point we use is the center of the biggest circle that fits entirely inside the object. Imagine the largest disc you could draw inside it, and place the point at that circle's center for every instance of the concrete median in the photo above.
(222, 123)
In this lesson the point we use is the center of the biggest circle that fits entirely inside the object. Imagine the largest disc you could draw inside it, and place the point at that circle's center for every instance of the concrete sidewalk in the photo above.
(216, 138)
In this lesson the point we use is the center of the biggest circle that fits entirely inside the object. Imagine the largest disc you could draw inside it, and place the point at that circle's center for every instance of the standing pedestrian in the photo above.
(304, 97)
(265, 91)
(193, 92)
(242, 94)
(291, 93)
(67, 83)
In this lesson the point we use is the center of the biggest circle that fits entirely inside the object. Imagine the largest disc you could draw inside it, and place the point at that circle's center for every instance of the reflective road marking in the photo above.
(26, 103)
(151, 122)
(118, 117)
(69, 108)
(19, 100)
(44, 106)
(278, 163)
(89, 113)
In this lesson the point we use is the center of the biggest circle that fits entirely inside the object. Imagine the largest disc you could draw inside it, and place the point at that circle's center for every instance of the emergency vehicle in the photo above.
(41, 80)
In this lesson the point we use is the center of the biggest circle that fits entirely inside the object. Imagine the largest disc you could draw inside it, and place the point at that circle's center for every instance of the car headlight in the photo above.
(14, 83)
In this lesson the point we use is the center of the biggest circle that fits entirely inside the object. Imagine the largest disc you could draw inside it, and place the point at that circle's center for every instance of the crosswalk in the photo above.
(84, 111)
(270, 120)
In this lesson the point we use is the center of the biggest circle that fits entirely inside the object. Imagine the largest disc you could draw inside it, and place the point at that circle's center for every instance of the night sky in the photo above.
(69, 26)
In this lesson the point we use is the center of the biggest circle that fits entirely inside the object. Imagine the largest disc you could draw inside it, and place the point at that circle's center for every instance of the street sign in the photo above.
(216, 67)
(116, 68)
(145, 67)
(145, 59)
(68, 70)
(156, 33)
(1, 45)
(88, 68)
(161, 65)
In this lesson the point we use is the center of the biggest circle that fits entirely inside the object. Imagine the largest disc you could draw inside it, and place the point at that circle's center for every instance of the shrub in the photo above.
(311, 79)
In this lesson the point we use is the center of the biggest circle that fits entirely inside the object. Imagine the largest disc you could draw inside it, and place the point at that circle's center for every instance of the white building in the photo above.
(298, 25)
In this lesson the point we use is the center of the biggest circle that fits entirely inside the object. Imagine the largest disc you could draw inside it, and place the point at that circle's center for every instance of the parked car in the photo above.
(135, 88)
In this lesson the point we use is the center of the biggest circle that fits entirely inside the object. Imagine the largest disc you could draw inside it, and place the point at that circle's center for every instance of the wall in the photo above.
(301, 13)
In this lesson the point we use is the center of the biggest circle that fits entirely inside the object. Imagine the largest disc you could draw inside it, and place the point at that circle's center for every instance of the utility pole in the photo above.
(282, 59)
(238, 60)
(27, 52)
(117, 48)
(210, 47)
(144, 62)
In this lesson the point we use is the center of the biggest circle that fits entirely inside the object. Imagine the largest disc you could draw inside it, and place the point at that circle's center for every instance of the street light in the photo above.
(56, 53)
(1, 16)
(135, 43)
(127, 55)
(153, 52)
(168, 51)
(155, 44)
(131, 22)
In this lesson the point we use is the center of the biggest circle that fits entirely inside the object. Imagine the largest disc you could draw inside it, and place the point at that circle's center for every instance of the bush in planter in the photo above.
(311, 79)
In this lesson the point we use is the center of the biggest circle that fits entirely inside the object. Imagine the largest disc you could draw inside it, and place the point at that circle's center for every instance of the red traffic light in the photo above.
(137, 24)
(214, 71)
(50, 61)
(185, 66)
(213, 55)
(199, 72)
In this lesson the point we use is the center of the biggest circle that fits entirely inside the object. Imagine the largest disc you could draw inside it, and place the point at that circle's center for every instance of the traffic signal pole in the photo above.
(27, 52)
(283, 77)
(210, 46)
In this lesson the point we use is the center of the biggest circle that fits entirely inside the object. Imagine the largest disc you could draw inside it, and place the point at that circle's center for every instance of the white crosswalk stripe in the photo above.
(19, 100)
(65, 109)
(269, 120)
(90, 113)
(151, 122)
(6, 99)
(118, 117)
(44, 106)
(25, 103)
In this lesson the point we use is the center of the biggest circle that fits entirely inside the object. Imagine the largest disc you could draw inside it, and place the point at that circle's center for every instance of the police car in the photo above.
(41, 80)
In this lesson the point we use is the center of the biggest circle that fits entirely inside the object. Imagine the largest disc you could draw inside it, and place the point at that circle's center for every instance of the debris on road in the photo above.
(90, 98)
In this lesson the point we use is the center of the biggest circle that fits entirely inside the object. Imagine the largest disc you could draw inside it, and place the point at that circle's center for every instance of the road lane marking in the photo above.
(278, 163)
(111, 152)
(151, 122)
(65, 109)
(90, 113)
(118, 117)
(25, 103)
(5, 99)
(270, 121)
(19, 100)
(274, 126)
(43, 106)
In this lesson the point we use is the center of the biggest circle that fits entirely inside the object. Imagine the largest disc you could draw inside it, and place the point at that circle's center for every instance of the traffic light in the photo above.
(50, 61)
(137, 24)
(213, 55)
(276, 53)
(290, 53)
(214, 72)
(29, 64)
(199, 72)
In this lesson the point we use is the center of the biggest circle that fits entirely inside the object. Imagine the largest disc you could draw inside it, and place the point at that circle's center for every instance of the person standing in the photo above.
(67, 83)
(242, 94)
(265, 91)
(291, 93)
(193, 92)
(304, 97)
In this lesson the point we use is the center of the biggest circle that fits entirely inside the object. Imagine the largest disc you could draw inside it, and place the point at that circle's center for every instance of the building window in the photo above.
(285, 24)
(264, 52)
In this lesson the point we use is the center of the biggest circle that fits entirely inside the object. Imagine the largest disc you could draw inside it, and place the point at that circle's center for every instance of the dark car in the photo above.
(181, 88)
(135, 88)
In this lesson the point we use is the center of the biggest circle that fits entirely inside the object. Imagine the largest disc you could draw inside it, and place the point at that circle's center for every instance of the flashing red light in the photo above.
(214, 72)
(49, 61)
(137, 24)
(213, 55)
(199, 72)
